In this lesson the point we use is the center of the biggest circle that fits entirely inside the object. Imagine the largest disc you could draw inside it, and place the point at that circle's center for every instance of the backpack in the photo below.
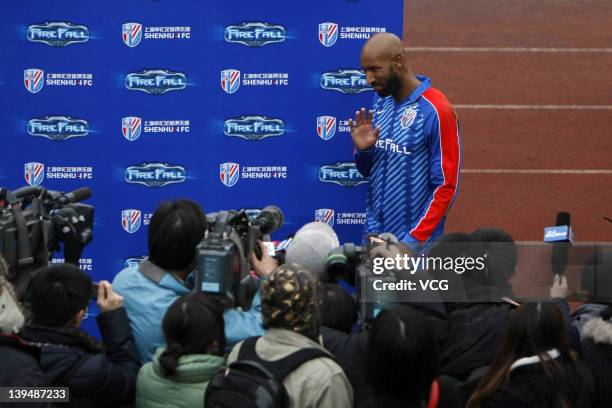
(251, 382)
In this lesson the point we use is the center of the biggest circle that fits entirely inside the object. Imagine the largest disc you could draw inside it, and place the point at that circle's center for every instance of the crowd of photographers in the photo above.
(166, 345)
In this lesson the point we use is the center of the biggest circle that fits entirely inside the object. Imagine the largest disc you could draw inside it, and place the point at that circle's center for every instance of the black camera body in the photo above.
(353, 264)
(222, 264)
(34, 222)
(342, 262)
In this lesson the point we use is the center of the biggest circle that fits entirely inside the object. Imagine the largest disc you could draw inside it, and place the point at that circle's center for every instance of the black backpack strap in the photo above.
(247, 350)
(282, 367)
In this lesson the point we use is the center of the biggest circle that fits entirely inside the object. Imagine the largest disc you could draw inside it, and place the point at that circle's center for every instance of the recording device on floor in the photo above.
(34, 222)
(222, 265)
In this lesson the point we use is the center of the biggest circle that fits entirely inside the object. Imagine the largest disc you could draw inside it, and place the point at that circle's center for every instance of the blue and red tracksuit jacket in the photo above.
(414, 167)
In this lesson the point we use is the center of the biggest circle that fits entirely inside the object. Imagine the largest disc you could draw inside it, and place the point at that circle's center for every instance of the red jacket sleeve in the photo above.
(444, 165)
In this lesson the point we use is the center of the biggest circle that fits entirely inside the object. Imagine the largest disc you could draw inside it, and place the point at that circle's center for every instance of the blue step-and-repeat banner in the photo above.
(235, 104)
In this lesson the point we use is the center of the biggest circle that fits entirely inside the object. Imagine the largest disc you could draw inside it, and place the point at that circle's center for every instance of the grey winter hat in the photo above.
(311, 245)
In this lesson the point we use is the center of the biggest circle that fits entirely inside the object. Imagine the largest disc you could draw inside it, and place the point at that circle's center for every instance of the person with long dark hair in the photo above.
(535, 366)
(193, 328)
(402, 363)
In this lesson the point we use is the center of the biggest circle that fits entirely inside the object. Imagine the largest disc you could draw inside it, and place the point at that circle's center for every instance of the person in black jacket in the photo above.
(477, 308)
(20, 359)
(339, 314)
(597, 355)
(402, 363)
(97, 374)
(535, 366)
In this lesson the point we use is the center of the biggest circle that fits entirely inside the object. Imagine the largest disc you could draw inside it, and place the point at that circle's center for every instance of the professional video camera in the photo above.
(33, 223)
(344, 261)
(352, 263)
(223, 255)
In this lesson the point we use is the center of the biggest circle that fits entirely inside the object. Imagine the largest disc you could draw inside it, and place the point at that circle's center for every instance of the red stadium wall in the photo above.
(531, 84)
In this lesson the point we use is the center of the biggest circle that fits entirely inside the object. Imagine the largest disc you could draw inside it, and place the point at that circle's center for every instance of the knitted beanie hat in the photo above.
(291, 300)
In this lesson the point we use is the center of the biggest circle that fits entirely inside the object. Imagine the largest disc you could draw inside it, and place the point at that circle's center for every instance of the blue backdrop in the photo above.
(231, 103)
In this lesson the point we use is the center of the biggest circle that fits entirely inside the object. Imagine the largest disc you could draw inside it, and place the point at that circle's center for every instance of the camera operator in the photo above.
(151, 287)
(97, 374)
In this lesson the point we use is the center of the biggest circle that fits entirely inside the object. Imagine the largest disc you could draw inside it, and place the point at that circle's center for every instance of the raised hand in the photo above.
(364, 136)
(108, 299)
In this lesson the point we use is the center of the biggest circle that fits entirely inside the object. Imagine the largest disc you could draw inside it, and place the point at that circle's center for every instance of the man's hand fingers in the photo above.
(101, 290)
(364, 116)
(370, 116)
(357, 118)
(108, 288)
(376, 132)
(351, 125)
(264, 250)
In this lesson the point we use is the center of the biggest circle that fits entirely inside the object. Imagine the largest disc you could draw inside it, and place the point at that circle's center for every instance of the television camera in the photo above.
(222, 264)
(34, 222)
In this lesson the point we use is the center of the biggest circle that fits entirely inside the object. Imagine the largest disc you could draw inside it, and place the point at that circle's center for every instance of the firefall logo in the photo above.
(131, 127)
(130, 220)
(326, 127)
(58, 127)
(155, 81)
(229, 173)
(408, 117)
(33, 79)
(328, 34)
(230, 80)
(255, 127)
(325, 215)
(348, 81)
(34, 173)
(58, 34)
(132, 34)
(343, 173)
(155, 174)
(255, 34)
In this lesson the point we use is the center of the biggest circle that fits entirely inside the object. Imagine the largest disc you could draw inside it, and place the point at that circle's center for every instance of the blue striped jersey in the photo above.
(414, 167)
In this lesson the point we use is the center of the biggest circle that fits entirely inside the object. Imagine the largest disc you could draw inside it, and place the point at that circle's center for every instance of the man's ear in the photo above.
(398, 60)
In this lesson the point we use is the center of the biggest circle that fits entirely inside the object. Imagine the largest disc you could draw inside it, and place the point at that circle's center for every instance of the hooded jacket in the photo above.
(103, 375)
(20, 367)
(185, 388)
(597, 355)
(318, 383)
(528, 387)
(147, 301)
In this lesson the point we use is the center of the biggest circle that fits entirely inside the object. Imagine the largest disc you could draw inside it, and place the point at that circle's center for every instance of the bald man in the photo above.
(408, 146)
